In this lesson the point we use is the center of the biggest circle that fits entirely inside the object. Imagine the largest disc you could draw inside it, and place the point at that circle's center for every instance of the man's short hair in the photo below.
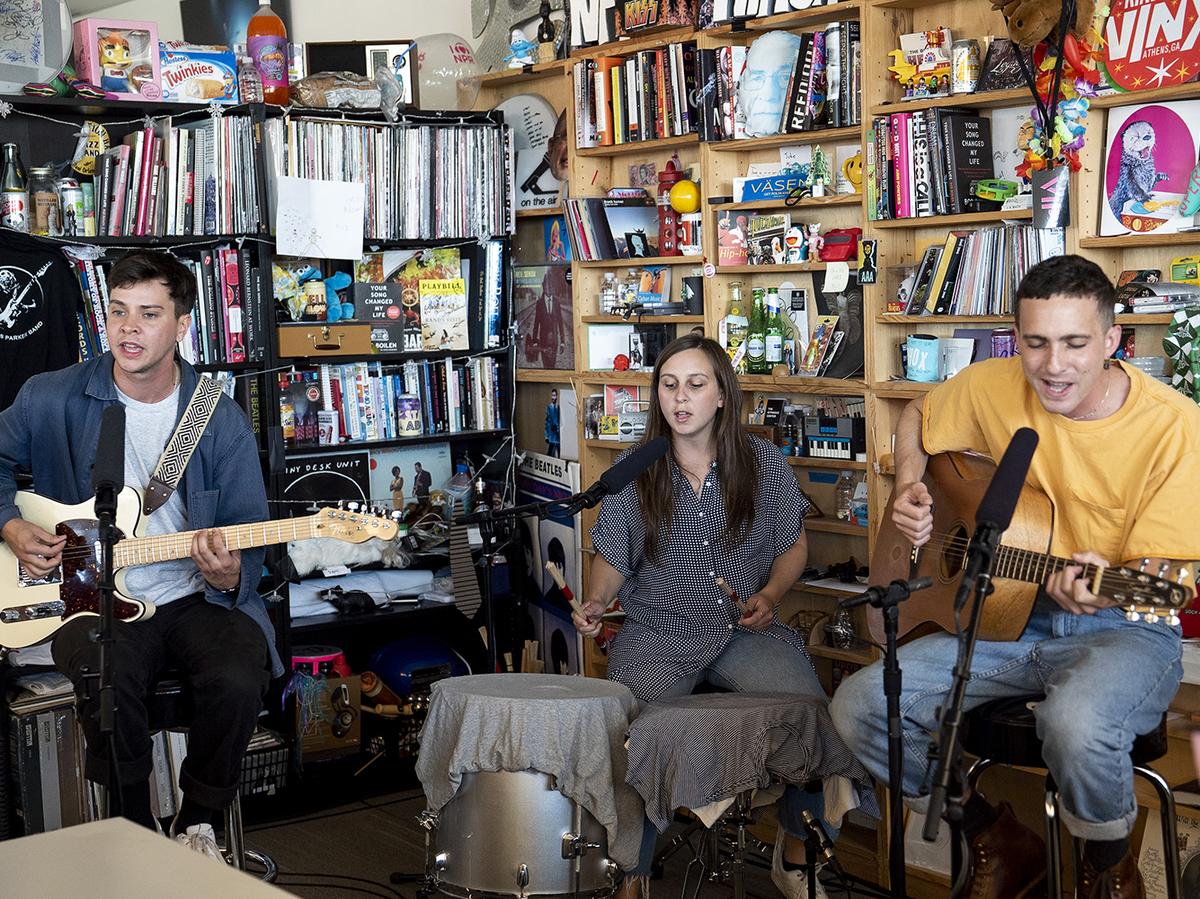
(1068, 276)
(140, 266)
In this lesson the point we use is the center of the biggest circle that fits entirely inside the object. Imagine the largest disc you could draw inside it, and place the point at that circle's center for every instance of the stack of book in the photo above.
(612, 227)
(643, 96)
(927, 162)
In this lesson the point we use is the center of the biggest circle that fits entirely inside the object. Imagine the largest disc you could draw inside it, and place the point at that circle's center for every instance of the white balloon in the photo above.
(447, 72)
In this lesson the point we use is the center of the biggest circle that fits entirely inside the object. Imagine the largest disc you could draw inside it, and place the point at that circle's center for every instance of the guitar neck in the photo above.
(1034, 567)
(165, 547)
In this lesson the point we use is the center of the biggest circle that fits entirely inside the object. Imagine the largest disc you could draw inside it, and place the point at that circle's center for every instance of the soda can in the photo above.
(964, 66)
(1004, 342)
(70, 197)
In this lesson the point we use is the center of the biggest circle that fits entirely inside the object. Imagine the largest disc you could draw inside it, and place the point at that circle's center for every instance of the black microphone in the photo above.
(108, 471)
(626, 471)
(1000, 501)
(877, 596)
(821, 839)
(996, 509)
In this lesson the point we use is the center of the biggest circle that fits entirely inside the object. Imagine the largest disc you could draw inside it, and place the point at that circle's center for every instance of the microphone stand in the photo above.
(888, 601)
(486, 517)
(106, 515)
(946, 754)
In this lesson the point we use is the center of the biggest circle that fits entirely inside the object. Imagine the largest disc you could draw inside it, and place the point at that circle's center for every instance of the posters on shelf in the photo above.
(549, 427)
(542, 311)
(1150, 154)
(324, 480)
(401, 475)
(539, 140)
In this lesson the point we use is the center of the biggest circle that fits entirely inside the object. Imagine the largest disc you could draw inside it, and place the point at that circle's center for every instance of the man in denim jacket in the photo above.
(210, 622)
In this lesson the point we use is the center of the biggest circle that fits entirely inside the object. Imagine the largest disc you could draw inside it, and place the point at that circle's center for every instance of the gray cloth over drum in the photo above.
(691, 751)
(570, 727)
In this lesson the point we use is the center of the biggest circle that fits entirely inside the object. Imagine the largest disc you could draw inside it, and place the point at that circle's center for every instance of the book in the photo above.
(924, 278)
(443, 313)
(764, 238)
(558, 244)
(845, 358)
(969, 149)
(731, 238)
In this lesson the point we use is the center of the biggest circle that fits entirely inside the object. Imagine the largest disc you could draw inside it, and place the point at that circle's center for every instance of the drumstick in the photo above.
(731, 593)
(575, 604)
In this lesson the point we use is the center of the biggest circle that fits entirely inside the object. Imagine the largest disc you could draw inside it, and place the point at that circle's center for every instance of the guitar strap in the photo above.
(182, 444)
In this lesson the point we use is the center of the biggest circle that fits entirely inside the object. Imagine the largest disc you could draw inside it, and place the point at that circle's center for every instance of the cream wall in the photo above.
(317, 20)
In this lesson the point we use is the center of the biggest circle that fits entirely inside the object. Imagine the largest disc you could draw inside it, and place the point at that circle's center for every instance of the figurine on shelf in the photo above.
(778, 254)
(814, 241)
(794, 245)
(545, 34)
(521, 50)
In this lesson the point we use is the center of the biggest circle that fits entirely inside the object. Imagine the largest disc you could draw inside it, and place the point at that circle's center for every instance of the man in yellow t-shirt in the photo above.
(1119, 458)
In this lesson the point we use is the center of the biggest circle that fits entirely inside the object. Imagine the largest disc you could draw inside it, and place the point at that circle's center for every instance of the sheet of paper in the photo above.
(837, 276)
(320, 218)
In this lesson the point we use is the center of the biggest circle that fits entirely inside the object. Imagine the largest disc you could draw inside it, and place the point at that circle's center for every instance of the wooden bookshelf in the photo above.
(957, 221)
(797, 19)
(987, 100)
(833, 526)
(539, 213)
(642, 320)
(835, 464)
(768, 269)
(544, 376)
(641, 147)
(635, 262)
(524, 75)
(1138, 241)
(805, 203)
(775, 141)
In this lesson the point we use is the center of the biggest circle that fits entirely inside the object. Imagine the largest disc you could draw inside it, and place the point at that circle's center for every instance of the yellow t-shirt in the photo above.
(1122, 486)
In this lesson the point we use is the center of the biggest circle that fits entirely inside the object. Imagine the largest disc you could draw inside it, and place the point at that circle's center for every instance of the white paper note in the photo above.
(837, 276)
(320, 218)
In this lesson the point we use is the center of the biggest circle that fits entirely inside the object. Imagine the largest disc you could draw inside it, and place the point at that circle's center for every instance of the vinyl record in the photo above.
(532, 119)
(37, 43)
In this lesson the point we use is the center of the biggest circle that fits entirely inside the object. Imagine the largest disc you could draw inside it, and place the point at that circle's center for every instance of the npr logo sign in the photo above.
(724, 10)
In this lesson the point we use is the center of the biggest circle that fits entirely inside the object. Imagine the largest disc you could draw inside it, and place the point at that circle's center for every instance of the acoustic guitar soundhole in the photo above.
(953, 555)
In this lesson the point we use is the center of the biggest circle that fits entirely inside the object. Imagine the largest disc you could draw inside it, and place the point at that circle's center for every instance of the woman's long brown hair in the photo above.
(736, 465)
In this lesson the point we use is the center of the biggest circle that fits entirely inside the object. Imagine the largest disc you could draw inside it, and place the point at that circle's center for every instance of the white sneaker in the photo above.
(201, 838)
(793, 884)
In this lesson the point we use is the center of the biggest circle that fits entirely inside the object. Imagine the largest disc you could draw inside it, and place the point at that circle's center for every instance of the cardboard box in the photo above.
(331, 725)
(197, 73)
(119, 55)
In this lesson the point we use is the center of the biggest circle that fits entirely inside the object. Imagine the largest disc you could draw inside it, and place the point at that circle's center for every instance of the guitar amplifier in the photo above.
(46, 753)
(835, 438)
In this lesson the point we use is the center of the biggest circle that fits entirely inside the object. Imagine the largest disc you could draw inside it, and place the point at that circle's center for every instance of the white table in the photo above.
(116, 859)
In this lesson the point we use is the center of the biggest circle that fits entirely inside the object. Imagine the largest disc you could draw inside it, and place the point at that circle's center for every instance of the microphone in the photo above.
(626, 471)
(821, 839)
(108, 471)
(1000, 501)
(996, 509)
(878, 596)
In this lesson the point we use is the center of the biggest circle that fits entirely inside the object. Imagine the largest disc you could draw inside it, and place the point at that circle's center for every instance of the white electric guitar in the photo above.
(32, 609)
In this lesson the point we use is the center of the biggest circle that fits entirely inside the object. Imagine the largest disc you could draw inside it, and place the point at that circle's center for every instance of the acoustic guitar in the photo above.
(33, 609)
(957, 482)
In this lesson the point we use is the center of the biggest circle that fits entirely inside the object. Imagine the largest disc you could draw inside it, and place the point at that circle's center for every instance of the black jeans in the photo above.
(222, 656)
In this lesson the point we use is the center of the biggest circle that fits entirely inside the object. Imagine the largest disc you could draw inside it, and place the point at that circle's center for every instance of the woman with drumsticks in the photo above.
(718, 518)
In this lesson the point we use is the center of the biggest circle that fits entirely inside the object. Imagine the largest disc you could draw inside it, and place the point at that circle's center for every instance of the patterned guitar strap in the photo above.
(182, 444)
(1182, 346)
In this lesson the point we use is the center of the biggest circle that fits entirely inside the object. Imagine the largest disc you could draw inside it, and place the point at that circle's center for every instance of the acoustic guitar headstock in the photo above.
(1148, 597)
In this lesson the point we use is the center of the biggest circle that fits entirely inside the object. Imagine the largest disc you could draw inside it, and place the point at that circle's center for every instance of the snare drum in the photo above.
(508, 762)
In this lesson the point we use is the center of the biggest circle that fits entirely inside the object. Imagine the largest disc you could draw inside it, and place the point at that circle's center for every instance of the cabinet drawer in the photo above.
(306, 339)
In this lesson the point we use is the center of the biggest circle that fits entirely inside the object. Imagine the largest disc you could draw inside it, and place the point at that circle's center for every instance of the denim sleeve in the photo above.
(243, 499)
(15, 442)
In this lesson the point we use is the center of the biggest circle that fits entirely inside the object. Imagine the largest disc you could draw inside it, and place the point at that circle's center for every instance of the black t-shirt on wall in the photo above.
(39, 300)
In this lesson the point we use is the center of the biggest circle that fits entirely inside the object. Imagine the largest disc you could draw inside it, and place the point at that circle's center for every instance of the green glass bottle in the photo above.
(756, 337)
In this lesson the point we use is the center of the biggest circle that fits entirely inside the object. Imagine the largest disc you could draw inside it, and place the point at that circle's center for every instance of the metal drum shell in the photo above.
(501, 820)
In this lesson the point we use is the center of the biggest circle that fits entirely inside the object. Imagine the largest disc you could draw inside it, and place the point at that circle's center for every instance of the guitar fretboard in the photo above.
(1034, 567)
(163, 548)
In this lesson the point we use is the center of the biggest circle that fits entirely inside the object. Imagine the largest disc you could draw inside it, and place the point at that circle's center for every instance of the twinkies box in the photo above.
(197, 73)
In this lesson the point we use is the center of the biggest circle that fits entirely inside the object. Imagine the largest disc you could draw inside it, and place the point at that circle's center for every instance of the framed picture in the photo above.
(362, 58)
(395, 56)
(638, 243)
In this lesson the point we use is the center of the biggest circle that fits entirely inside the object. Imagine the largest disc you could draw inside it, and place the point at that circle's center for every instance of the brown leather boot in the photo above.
(1122, 881)
(1008, 860)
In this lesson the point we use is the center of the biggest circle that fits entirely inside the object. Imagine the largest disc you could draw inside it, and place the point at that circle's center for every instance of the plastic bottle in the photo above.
(608, 293)
(843, 493)
(459, 485)
(266, 41)
(250, 86)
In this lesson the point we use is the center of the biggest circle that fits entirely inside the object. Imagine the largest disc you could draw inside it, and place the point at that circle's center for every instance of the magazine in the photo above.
(444, 314)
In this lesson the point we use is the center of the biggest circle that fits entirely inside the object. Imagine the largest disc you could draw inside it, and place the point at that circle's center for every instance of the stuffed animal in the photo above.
(1032, 21)
(1137, 175)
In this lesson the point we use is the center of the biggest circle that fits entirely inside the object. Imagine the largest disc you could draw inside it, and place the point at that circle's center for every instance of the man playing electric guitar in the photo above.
(210, 622)
(1118, 457)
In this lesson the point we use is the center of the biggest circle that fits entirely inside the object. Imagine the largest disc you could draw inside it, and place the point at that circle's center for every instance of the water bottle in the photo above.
(843, 494)
(459, 487)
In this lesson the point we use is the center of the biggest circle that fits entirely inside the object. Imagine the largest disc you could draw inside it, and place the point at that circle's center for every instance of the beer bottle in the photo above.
(14, 191)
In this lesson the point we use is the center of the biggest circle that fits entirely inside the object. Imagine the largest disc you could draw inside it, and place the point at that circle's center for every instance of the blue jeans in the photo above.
(754, 663)
(1106, 681)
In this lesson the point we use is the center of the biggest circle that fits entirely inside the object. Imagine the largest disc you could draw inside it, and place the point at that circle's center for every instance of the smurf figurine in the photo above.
(814, 241)
(521, 50)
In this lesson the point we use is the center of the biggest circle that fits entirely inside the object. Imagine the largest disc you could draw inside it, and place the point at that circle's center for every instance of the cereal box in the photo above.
(119, 55)
(197, 73)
